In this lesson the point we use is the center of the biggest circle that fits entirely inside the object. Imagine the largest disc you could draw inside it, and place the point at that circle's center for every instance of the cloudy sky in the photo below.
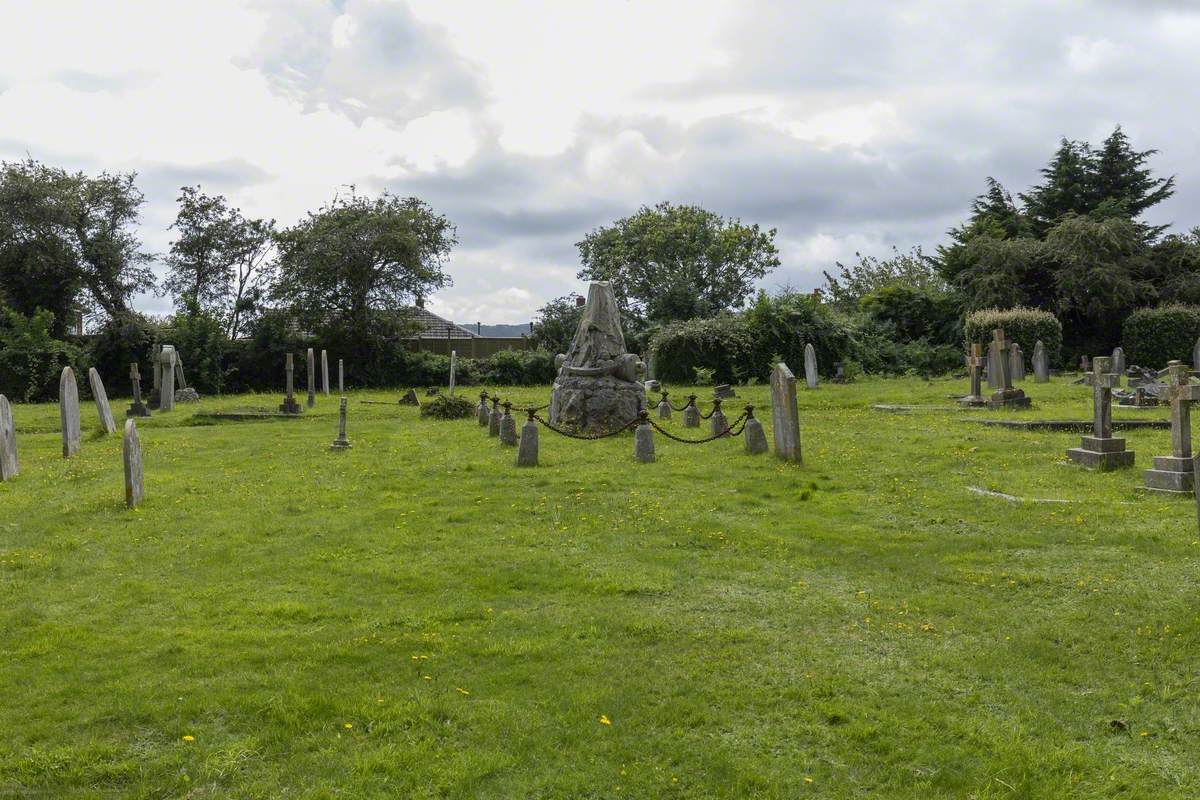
(849, 126)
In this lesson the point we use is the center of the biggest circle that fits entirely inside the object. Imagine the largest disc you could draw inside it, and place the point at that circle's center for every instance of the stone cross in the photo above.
(341, 377)
(312, 378)
(753, 434)
(325, 373)
(508, 427)
(1175, 473)
(1041, 363)
(107, 424)
(527, 451)
(68, 413)
(453, 365)
(341, 442)
(289, 405)
(1102, 450)
(643, 439)
(785, 416)
(8, 442)
(810, 366)
(166, 390)
(138, 408)
(975, 368)
(131, 452)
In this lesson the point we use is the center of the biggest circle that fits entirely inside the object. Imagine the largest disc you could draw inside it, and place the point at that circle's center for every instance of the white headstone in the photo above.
(131, 451)
(810, 366)
(784, 414)
(8, 442)
(68, 412)
(101, 397)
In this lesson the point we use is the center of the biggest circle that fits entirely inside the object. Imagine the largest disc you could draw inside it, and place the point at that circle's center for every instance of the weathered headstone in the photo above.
(131, 454)
(993, 367)
(325, 373)
(312, 378)
(166, 389)
(341, 442)
(717, 420)
(810, 366)
(664, 407)
(137, 408)
(754, 435)
(652, 386)
(156, 375)
(8, 442)
(1118, 358)
(180, 381)
(784, 413)
(494, 418)
(1041, 363)
(1005, 395)
(643, 439)
(341, 377)
(68, 412)
(527, 451)
(453, 368)
(481, 411)
(410, 398)
(289, 404)
(724, 391)
(975, 369)
(1016, 362)
(107, 424)
(1174, 473)
(1102, 450)
(508, 427)
(691, 413)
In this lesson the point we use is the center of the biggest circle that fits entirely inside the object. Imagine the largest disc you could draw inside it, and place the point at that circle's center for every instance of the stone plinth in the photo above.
(1102, 454)
(596, 404)
(1170, 474)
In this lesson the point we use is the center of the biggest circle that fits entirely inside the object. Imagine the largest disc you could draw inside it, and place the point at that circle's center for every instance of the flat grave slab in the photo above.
(1082, 425)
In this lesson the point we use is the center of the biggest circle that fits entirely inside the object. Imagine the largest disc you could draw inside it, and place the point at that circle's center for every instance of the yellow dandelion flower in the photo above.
(807, 779)
(461, 690)
(604, 720)
(189, 738)
(348, 725)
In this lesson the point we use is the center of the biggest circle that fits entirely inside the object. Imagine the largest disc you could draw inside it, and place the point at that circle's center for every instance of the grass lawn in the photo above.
(416, 617)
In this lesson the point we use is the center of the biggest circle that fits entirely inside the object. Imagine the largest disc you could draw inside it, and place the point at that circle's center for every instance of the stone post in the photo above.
(312, 379)
(341, 377)
(664, 407)
(785, 415)
(753, 434)
(717, 419)
(508, 427)
(691, 414)
(494, 418)
(341, 442)
(643, 439)
(527, 452)
(481, 410)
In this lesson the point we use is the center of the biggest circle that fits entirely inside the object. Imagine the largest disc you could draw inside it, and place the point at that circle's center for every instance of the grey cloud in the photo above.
(96, 82)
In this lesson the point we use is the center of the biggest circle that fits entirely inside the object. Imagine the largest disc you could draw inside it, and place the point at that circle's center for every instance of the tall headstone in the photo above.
(975, 369)
(810, 366)
(1174, 473)
(784, 414)
(993, 366)
(68, 412)
(325, 373)
(341, 442)
(1118, 358)
(453, 367)
(1041, 363)
(508, 427)
(137, 408)
(1005, 395)
(8, 442)
(166, 389)
(341, 377)
(1102, 450)
(1016, 362)
(131, 453)
(312, 379)
(107, 424)
(643, 439)
(289, 404)
(753, 434)
(527, 451)
(156, 376)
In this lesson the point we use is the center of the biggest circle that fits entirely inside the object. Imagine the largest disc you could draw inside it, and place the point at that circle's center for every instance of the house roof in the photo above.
(431, 326)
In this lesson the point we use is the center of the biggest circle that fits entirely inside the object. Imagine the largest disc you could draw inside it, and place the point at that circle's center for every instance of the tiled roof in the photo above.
(431, 326)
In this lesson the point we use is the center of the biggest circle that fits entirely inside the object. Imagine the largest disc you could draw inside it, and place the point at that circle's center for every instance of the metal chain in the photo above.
(584, 436)
(729, 431)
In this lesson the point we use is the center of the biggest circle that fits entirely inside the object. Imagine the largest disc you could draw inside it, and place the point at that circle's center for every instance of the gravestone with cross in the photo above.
(289, 404)
(1173, 473)
(138, 409)
(1102, 450)
(1005, 395)
(975, 367)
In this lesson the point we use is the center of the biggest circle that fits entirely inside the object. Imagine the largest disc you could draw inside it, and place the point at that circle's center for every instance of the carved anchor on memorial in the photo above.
(1173, 473)
(1102, 450)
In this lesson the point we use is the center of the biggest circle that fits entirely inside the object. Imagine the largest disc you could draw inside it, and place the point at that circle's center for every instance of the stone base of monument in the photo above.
(595, 404)
(1101, 454)
(290, 406)
(1170, 474)
(137, 410)
(1009, 398)
(972, 401)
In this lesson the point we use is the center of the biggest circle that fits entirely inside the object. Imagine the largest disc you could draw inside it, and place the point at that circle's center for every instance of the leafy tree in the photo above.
(67, 238)
(217, 262)
(1175, 267)
(1069, 186)
(913, 269)
(556, 323)
(357, 263)
(674, 262)
(31, 356)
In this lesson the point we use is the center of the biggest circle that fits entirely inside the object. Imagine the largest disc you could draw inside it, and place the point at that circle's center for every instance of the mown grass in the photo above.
(416, 617)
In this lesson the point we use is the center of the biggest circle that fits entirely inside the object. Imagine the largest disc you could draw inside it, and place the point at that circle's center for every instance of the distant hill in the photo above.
(503, 331)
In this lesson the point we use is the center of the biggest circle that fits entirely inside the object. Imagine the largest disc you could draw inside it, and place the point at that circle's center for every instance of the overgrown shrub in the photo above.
(446, 407)
(1021, 325)
(1153, 336)
(119, 343)
(201, 342)
(780, 326)
(517, 368)
(31, 359)
(721, 344)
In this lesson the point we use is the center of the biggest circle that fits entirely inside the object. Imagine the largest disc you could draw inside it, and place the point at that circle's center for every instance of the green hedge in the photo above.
(1021, 325)
(721, 344)
(1153, 336)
